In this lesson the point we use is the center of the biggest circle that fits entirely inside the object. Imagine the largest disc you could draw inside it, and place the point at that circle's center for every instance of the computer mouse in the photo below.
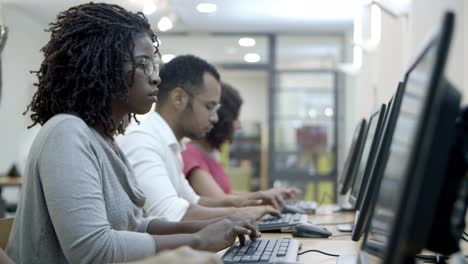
(288, 209)
(310, 231)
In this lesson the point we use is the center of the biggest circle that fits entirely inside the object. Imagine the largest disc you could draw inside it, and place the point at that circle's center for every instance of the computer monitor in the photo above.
(354, 154)
(415, 170)
(368, 154)
(370, 190)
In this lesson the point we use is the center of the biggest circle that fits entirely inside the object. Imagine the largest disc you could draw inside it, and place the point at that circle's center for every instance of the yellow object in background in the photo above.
(224, 155)
(240, 178)
(325, 163)
(324, 193)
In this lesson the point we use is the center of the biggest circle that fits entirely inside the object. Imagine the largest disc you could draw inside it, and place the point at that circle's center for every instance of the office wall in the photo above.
(465, 49)
(21, 54)
(401, 39)
(383, 67)
(425, 16)
(253, 87)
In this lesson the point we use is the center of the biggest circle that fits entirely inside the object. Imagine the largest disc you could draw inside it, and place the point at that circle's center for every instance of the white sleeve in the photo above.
(187, 191)
(144, 154)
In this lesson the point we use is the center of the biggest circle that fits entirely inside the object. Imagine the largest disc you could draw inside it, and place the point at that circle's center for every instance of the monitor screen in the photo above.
(416, 145)
(369, 189)
(349, 168)
(368, 153)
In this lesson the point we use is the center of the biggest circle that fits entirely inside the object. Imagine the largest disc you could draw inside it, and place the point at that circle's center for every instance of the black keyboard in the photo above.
(285, 223)
(263, 251)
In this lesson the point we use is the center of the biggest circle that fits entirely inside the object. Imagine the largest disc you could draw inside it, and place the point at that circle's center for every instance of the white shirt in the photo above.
(155, 154)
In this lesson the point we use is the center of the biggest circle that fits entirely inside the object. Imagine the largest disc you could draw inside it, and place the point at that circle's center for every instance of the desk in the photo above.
(339, 243)
(10, 181)
(7, 181)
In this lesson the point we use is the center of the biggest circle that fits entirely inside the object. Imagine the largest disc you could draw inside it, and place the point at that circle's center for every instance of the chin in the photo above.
(142, 111)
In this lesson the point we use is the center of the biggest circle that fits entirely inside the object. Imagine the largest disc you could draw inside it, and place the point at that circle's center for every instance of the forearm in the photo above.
(165, 242)
(157, 227)
(225, 201)
(197, 212)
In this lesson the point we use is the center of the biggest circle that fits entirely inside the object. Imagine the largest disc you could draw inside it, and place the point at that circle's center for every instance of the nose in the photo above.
(155, 79)
(214, 118)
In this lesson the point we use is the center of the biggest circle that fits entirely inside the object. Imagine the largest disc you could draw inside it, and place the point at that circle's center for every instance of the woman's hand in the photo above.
(222, 234)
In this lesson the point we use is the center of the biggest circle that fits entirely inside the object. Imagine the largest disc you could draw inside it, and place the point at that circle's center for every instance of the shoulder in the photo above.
(147, 133)
(192, 152)
(65, 126)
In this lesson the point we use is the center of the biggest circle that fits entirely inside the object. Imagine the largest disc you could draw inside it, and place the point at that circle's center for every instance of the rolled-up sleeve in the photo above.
(70, 177)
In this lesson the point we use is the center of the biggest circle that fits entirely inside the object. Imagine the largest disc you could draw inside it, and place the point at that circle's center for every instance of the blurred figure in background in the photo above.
(201, 158)
(187, 107)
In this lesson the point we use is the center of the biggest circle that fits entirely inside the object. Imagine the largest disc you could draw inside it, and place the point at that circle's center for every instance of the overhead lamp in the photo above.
(167, 57)
(247, 42)
(149, 7)
(328, 111)
(206, 8)
(313, 113)
(165, 24)
(252, 57)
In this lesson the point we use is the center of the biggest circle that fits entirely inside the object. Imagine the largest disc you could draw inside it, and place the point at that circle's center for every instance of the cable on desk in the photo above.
(318, 251)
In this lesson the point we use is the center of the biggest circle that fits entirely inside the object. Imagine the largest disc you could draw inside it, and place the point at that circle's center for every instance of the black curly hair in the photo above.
(223, 130)
(186, 72)
(82, 70)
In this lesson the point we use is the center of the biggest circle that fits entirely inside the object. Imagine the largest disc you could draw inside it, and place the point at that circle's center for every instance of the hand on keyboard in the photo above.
(271, 196)
(257, 212)
(223, 233)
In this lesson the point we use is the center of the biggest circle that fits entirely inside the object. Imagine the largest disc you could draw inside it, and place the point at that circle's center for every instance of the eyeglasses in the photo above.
(149, 66)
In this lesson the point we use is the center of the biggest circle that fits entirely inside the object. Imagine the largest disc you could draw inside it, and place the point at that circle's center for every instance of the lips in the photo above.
(154, 95)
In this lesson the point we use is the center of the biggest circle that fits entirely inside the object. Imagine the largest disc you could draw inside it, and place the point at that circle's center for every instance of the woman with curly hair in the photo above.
(203, 169)
(80, 202)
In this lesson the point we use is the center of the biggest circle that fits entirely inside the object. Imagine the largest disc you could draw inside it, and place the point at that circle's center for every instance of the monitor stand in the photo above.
(345, 228)
(344, 208)
(347, 259)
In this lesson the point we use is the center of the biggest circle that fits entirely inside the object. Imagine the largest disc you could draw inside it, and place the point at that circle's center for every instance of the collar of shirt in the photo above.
(167, 133)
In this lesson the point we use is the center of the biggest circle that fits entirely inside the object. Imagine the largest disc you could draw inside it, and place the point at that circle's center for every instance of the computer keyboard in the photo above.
(263, 251)
(309, 207)
(285, 223)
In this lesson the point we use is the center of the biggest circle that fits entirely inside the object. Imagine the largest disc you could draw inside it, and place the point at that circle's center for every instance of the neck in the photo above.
(171, 119)
(117, 117)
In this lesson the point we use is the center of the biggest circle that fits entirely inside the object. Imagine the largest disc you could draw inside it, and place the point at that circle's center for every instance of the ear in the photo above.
(179, 98)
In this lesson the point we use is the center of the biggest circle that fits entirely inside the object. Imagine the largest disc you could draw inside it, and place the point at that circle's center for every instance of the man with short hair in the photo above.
(189, 97)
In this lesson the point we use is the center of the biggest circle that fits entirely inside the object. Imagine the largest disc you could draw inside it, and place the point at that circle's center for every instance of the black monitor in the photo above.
(368, 154)
(370, 190)
(354, 154)
(414, 174)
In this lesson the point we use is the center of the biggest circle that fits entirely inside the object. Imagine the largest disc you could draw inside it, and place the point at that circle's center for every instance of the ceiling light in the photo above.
(312, 113)
(165, 24)
(247, 42)
(252, 57)
(328, 112)
(206, 8)
(149, 7)
(167, 57)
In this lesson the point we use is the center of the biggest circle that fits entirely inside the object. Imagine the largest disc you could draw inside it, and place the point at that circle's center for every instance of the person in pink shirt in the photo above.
(201, 158)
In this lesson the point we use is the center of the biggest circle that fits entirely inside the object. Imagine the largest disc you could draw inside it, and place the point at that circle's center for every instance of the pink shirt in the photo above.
(195, 158)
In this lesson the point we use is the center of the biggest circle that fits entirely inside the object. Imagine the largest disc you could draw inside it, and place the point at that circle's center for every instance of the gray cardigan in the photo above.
(79, 202)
